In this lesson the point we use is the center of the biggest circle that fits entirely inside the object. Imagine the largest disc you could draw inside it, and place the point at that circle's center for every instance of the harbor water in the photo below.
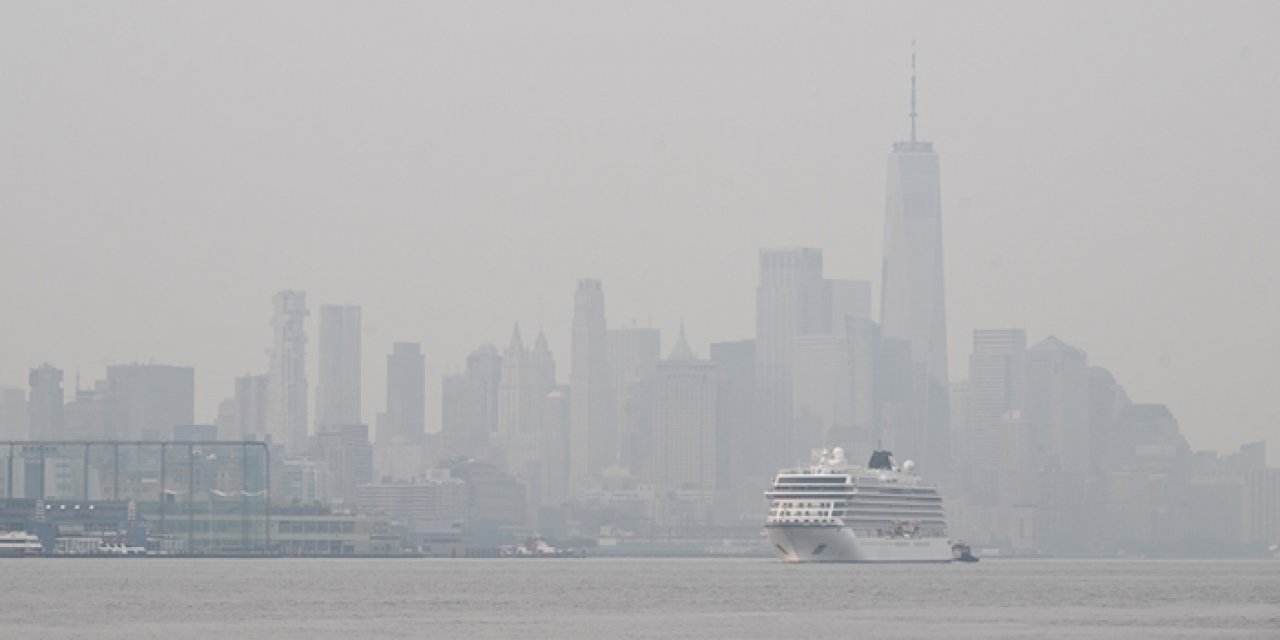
(317, 599)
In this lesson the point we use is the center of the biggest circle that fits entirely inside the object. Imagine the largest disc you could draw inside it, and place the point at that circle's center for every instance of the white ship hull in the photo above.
(832, 543)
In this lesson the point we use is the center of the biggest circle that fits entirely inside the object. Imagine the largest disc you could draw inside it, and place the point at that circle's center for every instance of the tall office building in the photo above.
(740, 468)
(1056, 410)
(913, 305)
(913, 300)
(94, 414)
(825, 390)
(791, 300)
(822, 390)
(685, 418)
(995, 391)
(593, 438)
(1107, 401)
(44, 404)
(483, 380)
(348, 459)
(634, 353)
(543, 367)
(864, 340)
(515, 444)
(251, 407)
(1262, 506)
(155, 398)
(517, 401)
(549, 426)
(1057, 404)
(13, 413)
(405, 420)
(287, 421)
(338, 392)
(528, 375)
(553, 446)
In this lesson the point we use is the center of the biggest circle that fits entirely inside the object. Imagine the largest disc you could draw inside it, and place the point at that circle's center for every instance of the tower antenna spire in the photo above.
(913, 91)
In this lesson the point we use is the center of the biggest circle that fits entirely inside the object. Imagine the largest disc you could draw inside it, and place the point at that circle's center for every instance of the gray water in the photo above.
(624, 598)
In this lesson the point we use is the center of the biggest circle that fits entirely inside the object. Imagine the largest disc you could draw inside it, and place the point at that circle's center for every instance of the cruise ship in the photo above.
(834, 511)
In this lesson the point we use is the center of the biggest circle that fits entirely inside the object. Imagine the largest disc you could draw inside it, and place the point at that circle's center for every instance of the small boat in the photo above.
(960, 552)
(16, 544)
(538, 548)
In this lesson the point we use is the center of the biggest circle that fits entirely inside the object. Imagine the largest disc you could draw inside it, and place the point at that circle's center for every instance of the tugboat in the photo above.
(960, 552)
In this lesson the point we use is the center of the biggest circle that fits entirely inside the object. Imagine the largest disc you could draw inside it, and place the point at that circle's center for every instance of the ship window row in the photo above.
(865, 517)
(879, 488)
(817, 495)
(859, 506)
(787, 514)
(814, 480)
(908, 498)
(813, 487)
(890, 532)
(791, 504)
(882, 506)
(870, 513)
(858, 501)
(893, 515)
(887, 504)
(862, 497)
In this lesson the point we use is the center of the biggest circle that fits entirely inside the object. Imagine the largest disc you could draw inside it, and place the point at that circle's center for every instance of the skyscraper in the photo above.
(252, 407)
(739, 452)
(483, 379)
(822, 375)
(44, 406)
(1056, 409)
(685, 408)
(634, 353)
(553, 446)
(94, 414)
(996, 390)
(518, 414)
(516, 395)
(1057, 404)
(543, 367)
(287, 422)
(348, 458)
(864, 338)
(155, 398)
(913, 301)
(550, 426)
(338, 393)
(791, 300)
(405, 419)
(593, 438)
(913, 305)
(528, 375)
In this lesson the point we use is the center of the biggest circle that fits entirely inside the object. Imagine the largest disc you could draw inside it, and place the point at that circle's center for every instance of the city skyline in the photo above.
(977, 299)
(1022, 251)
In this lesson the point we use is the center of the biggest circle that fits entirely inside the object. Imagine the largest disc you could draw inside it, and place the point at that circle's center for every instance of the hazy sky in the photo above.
(1110, 176)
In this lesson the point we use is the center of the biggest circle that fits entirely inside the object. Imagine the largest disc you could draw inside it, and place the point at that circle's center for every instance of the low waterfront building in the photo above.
(299, 532)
